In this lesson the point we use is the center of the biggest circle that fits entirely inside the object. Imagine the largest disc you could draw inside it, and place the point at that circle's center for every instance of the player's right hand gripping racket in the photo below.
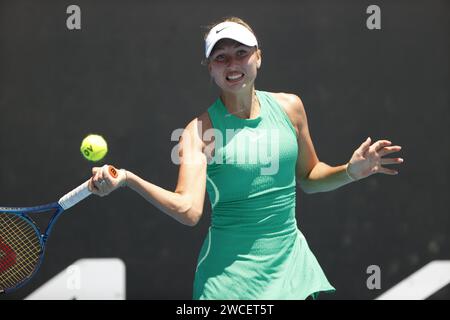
(22, 244)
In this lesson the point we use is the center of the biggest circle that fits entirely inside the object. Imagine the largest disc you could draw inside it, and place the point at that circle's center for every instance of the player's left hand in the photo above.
(367, 159)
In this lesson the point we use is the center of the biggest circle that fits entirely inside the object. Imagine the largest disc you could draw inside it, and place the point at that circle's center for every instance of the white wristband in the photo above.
(346, 170)
(125, 182)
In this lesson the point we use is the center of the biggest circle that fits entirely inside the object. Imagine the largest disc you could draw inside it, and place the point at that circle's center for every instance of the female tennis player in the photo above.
(248, 150)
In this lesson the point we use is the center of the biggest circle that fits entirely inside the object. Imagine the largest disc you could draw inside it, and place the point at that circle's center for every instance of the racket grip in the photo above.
(76, 195)
(81, 192)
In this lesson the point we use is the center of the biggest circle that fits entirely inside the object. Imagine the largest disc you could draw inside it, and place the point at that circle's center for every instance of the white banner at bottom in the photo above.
(86, 279)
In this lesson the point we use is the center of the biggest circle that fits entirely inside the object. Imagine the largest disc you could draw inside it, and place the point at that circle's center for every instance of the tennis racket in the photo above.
(22, 245)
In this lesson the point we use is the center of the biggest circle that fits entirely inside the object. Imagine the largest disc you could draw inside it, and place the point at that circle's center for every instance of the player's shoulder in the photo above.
(290, 101)
(293, 106)
(205, 120)
(198, 126)
(201, 121)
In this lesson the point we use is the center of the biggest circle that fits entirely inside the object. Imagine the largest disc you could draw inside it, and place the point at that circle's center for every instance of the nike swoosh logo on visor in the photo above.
(217, 31)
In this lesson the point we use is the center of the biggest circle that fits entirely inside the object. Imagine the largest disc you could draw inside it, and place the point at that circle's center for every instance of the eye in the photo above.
(219, 57)
(242, 53)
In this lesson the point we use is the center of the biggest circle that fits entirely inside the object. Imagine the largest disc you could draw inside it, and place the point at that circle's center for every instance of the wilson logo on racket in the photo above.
(7, 257)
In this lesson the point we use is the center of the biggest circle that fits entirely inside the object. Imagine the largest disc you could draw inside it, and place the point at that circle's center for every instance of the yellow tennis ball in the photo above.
(94, 147)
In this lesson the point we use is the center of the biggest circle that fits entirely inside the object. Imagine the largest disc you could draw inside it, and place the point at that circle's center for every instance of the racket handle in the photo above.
(81, 192)
(76, 195)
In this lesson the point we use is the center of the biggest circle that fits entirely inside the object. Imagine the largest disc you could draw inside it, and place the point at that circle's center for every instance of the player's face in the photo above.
(234, 65)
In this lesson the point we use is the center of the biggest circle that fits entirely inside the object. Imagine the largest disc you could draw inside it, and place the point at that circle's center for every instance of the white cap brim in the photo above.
(229, 30)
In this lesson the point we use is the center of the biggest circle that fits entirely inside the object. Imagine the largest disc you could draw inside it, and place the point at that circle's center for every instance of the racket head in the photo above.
(21, 250)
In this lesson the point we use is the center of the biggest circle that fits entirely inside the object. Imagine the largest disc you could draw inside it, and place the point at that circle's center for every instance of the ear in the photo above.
(210, 74)
(209, 67)
(259, 58)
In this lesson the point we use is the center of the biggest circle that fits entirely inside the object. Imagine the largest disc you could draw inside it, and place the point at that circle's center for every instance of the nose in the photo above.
(230, 61)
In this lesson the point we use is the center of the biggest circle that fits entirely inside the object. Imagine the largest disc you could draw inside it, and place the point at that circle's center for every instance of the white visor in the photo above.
(229, 30)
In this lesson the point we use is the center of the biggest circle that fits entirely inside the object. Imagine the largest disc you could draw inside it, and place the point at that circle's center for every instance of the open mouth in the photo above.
(234, 77)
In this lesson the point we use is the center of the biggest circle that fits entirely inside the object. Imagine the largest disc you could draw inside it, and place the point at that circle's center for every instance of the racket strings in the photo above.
(13, 275)
(27, 253)
(20, 250)
(22, 258)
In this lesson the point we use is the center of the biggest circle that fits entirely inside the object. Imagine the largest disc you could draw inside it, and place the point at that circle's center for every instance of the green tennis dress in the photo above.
(254, 249)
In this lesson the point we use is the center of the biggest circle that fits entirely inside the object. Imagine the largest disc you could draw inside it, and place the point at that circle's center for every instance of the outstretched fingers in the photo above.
(365, 145)
(380, 144)
(384, 147)
(388, 150)
(391, 160)
(387, 171)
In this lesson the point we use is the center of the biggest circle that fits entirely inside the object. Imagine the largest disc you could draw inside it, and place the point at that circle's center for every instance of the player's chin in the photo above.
(234, 87)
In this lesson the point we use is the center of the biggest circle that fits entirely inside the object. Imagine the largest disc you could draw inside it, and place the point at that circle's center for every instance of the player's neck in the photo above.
(241, 104)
